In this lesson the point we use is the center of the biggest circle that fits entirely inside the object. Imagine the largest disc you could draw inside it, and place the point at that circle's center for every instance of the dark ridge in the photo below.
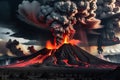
(73, 50)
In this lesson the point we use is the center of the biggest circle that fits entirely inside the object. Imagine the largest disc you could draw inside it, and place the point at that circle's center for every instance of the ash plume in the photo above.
(61, 17)
(107, 8)
(16, 48)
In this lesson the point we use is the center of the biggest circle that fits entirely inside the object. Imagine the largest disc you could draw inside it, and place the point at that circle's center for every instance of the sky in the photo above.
(5, 36)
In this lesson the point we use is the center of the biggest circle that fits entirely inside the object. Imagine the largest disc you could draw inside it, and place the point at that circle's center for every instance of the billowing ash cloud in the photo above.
(61, 17)
(12, 50)
(107, 8)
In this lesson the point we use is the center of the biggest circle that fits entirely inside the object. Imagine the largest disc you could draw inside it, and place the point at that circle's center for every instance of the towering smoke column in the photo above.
(86, 18)
(107, 8)
(61, 17)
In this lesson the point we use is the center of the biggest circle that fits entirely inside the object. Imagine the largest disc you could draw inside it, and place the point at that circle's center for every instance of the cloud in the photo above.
(60, 17)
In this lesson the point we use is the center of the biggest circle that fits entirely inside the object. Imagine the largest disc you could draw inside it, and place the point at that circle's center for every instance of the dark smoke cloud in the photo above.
(107, 8)
(3, 49)
(60, 17)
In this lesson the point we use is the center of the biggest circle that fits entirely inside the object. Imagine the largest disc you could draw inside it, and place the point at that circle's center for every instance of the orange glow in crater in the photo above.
(68, 41)
(65, 41)
(49, 45)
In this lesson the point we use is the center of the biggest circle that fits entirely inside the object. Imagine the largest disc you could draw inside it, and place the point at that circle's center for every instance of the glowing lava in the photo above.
(68, 41)
(65, 41)
(49, 45)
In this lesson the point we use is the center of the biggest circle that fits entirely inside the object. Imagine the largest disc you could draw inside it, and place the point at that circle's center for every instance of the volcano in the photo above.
(65, 55)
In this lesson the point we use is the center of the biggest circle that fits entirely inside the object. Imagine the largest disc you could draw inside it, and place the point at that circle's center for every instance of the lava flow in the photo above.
(67, 54)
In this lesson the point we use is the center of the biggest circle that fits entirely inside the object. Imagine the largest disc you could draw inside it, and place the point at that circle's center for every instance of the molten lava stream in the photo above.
(66, 62)
(39, 59)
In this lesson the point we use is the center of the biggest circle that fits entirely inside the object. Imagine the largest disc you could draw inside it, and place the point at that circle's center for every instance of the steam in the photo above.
(61, 17)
